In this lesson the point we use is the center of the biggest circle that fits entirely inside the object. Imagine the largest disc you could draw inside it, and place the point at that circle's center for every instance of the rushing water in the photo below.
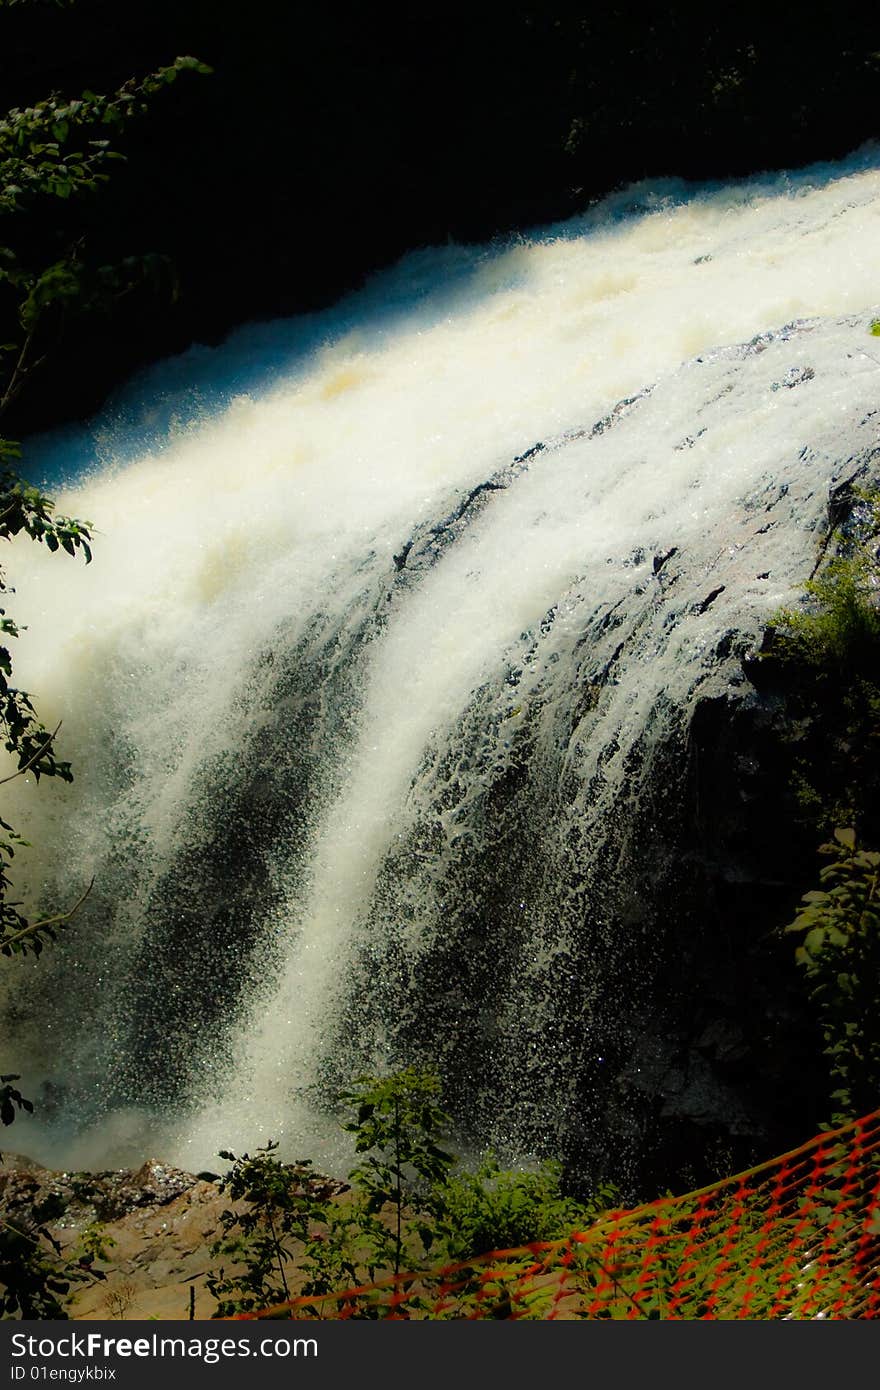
(397, 620)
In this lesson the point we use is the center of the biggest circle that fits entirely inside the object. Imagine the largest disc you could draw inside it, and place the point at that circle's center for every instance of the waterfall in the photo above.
(379, 688)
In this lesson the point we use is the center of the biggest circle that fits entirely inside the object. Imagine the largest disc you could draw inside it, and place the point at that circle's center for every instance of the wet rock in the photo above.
(795, 376)
(153, 1184)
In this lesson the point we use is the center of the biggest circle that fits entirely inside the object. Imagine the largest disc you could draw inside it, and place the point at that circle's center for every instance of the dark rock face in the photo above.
(748, 1068)
(746, 1074)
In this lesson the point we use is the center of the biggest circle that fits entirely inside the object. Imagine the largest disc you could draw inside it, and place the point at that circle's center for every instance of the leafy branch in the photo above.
(839, 927)
(52, 148)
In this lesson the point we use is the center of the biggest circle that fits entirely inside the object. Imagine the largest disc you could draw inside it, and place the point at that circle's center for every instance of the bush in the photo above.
(495, 1208)
(829, 649)
(282, 1220)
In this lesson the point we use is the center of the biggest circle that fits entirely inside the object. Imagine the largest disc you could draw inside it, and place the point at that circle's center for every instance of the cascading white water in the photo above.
(364, 692)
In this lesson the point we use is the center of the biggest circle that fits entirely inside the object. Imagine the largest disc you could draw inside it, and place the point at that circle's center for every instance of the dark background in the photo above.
(328, 141)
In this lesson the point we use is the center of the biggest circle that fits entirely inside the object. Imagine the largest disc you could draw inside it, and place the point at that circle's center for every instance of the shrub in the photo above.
(840, 624)
(282, 1213)
(398, 1126)
(286, 1236)
(495, 1208)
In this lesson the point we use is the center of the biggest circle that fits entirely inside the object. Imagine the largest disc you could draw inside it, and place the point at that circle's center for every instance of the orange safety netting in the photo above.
(798, 1237)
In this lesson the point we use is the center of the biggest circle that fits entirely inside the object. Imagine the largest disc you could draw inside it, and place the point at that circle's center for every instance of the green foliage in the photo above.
(840, 623)
(52, 153)
(828, 655)
(839, 924)
(11, 1099)
(289, 1236)
(826, 652)
(398, 1126)
(26, 511)
(875, 328)
(287, 1224)
(53, 150)
(50, 149)
(36, 1274)
(497, 1209)
(283, 1212)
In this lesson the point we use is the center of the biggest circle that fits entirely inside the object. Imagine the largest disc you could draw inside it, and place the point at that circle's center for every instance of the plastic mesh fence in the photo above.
(798, 1237)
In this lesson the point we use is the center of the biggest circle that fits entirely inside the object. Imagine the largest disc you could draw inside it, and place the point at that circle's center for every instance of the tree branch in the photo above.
(36, 757)
(48, 922)
(16, 381)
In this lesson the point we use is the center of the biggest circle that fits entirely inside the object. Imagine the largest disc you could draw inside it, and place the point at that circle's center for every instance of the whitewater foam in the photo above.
(290, 704)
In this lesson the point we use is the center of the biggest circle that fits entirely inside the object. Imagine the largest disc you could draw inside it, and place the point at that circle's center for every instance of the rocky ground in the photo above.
(161, 1222)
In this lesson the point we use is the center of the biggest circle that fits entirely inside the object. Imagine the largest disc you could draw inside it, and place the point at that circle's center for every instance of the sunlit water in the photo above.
(363, 760)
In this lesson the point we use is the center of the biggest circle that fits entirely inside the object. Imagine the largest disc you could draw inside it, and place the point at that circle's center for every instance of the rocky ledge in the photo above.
(158, 1223)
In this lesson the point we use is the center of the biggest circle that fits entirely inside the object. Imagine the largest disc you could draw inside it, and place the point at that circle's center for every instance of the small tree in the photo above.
(290, 1239)
(398, 1126)
(284, 1216)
